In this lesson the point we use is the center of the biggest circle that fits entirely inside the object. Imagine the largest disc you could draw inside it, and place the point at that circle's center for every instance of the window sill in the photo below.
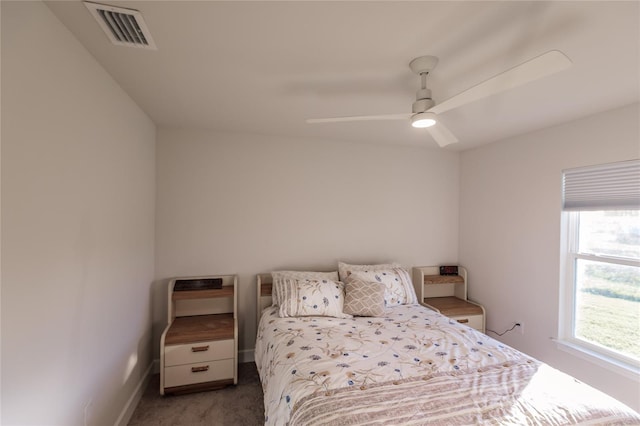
(611, 364)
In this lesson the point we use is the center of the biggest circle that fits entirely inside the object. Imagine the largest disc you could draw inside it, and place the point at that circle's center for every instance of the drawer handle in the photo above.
(463, 321)
(200, 369)
(200, 348)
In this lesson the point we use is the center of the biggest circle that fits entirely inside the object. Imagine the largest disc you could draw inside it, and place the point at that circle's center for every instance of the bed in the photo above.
(409, 365)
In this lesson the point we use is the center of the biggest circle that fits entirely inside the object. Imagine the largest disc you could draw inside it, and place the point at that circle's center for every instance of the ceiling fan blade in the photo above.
(360, 118)
(534, 69)
(441, 134)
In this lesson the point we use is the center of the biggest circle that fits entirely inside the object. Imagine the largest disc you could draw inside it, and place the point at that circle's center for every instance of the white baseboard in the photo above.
(134, 399)
(246, 355)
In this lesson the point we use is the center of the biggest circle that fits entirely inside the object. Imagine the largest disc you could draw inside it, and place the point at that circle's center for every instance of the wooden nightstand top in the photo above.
(200, 328)
(443, 279)
(452, 306)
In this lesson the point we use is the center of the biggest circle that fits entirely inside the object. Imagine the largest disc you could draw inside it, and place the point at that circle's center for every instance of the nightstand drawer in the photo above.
(198, 352)
(181, 375)
(473, 321)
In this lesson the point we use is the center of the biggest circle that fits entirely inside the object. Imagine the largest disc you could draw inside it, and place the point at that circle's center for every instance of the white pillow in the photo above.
(310, 297)
(346, 269)
(298, 275)
(397, 281)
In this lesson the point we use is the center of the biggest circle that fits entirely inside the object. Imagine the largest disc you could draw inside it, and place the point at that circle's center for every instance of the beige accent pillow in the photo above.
(364, 299)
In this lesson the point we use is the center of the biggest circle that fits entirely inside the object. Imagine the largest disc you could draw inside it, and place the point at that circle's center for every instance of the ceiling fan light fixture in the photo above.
(422, 120)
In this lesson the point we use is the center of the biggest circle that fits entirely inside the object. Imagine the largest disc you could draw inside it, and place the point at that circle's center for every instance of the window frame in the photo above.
(566, 335)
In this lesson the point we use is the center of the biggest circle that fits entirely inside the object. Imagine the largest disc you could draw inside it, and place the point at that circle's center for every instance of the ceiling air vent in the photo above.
(124, 27)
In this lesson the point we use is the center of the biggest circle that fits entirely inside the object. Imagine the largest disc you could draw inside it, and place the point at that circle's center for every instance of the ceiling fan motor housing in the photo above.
(423, 94)
(423, 100)
(422, 105)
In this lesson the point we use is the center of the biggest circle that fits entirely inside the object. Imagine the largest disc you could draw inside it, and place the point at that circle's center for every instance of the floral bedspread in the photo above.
(312, 367)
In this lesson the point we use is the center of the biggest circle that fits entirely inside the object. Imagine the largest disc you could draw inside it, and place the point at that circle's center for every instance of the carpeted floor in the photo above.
(234, 405)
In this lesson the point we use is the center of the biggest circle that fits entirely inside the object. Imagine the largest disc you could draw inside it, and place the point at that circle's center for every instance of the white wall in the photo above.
(78, 183)
(248, 204)
(510, 200)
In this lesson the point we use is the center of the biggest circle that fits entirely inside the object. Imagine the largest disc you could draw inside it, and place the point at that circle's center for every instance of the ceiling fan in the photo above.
(425, 111)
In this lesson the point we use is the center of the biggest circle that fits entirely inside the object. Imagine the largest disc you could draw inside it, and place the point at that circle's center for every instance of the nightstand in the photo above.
(199, 346)
(447, 294)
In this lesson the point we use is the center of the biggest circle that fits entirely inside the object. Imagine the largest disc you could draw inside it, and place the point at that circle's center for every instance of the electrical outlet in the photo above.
(520, 325)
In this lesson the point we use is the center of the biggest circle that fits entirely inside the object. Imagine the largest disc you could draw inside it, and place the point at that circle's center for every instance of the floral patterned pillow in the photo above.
(397, 281)
(346, 269)
(298, 275)
(310, 297)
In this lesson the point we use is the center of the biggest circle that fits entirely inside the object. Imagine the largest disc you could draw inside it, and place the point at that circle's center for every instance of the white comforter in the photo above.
(412, 367)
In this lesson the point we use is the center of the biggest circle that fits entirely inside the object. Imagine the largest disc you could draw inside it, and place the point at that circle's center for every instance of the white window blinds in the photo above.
(613, 186)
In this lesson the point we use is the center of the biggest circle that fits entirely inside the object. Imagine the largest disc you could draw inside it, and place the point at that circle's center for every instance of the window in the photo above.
(600, 307)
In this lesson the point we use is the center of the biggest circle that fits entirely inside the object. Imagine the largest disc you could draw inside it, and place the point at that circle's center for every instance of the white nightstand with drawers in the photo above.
(199, 347)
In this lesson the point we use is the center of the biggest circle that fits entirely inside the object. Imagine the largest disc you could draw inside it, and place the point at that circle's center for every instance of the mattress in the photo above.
(413, 366)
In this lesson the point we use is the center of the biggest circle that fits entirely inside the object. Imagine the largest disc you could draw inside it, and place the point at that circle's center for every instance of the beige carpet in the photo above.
(234, 405)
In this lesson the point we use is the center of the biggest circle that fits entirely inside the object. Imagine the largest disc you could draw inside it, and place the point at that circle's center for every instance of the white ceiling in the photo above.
(264, 67)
